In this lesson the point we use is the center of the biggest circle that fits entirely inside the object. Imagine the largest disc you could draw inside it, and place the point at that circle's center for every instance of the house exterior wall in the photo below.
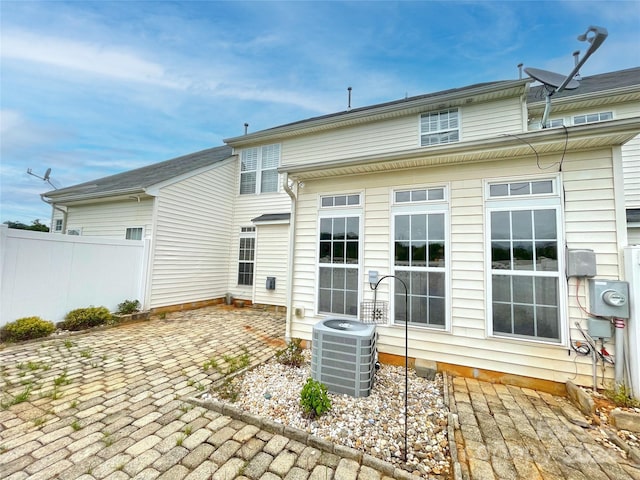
(246, 208)
(191, 239)
(589, 222)
(631, 167)
(110, 219)
(272, 251)
(402, 133)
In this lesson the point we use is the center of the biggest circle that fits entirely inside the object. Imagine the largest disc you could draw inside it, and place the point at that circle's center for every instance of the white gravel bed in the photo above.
(373, 424)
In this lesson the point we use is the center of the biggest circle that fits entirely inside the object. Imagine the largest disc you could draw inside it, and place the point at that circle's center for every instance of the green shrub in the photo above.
(292, 354)
(82, 318)
(128, 306)
(26, 328)
(314, 399)
(621, 396)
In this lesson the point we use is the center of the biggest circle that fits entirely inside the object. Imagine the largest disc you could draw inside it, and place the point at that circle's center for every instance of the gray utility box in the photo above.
(343, 356)
(609, 298)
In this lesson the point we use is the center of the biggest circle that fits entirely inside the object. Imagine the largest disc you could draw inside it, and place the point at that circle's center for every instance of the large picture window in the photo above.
(259, 169)
(420, 256)
(338, 264)
(525, 265)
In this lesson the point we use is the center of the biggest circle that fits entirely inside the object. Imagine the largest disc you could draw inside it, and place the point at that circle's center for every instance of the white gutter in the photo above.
(55, 207)
(292, 225)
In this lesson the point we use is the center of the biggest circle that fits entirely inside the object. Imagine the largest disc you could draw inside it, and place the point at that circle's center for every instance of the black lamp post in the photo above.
(374, 287)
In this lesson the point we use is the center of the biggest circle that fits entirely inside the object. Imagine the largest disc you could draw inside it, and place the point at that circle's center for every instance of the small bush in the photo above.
(82, 318)
(314, 399)
(128, 306)
(292, 354)
(26, 328)
(621, 396)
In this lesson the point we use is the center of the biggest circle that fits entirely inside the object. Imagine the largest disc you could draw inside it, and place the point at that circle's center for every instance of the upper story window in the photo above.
(58, 225)
(439, 127)
(259, 169)
(134, 233)
(592, 117)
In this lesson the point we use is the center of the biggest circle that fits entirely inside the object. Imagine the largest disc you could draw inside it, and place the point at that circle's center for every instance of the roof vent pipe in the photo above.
(520, 71)
(246, 128)
(349, 105)
(576, 60)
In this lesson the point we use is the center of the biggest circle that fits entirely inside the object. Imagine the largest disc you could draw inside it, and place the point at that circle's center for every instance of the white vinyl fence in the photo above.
(47, 275)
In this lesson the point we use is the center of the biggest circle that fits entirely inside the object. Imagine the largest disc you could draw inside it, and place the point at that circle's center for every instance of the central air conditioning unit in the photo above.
(343, 356)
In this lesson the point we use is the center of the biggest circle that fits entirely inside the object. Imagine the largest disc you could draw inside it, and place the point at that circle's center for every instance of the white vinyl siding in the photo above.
(246, 208)
(111, 219)
(589, 221)
(192, 238)
(402, 133)
(631, 168)
(272, 250)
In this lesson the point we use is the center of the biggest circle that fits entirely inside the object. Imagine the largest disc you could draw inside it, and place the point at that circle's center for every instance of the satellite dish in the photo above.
(551, 78)
(46, 175)
(556, 83)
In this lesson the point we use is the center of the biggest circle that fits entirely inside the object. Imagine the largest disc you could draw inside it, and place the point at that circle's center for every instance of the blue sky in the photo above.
(90, 89)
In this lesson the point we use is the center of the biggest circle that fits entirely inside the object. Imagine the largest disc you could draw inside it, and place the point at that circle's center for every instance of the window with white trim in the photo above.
(259, 169)
(339, 258)
(592, 117)
(58, 225)
(133, 233)
(420, 257)
(439, 127)
(525, 246)
(246, 255)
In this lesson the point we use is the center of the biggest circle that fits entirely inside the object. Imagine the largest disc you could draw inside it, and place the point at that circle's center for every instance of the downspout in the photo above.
(292, 223)
(55, 207)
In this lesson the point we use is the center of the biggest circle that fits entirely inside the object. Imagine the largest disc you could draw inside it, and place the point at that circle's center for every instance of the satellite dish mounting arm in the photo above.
(599, 36)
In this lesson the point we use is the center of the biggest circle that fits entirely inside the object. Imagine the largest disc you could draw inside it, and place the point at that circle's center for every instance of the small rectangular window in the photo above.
(420, 195)
(134, 233)
(592, 117)
(58, 225)
(340, 201)
(518, 189)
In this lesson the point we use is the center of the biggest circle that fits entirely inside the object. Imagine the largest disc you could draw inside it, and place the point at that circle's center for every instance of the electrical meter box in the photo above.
(581, 263)
(599, 328)
(609, 298)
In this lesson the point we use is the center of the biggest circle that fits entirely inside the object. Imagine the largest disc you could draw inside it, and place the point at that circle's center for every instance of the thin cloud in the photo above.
(90, 58)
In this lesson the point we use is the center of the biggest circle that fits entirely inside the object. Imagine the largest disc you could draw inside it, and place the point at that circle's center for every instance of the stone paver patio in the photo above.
(119, 404)
(113, 404)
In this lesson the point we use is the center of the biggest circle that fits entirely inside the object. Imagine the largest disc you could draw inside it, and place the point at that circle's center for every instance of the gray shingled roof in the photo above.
(594, 83)
(143, 177)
